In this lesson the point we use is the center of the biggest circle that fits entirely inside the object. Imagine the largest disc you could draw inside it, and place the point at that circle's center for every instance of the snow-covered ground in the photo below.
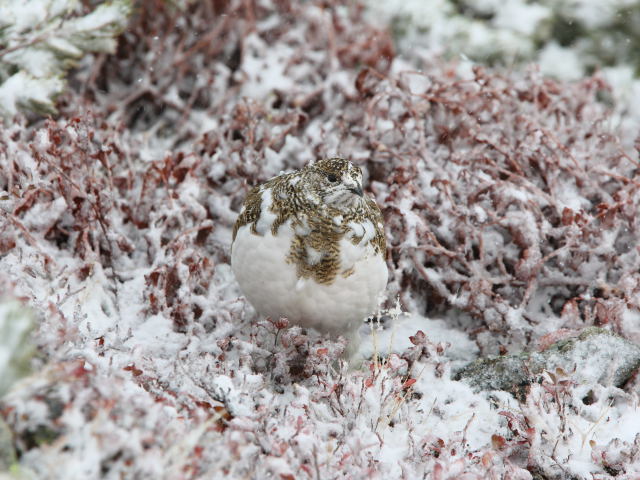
(567, 39)
(511, 207)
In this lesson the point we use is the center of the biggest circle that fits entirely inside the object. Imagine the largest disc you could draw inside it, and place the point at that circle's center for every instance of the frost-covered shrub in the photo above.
(566, 38)
(585, 34)
(40, 40)
(575, 431)
(503, 201)
(510, 211)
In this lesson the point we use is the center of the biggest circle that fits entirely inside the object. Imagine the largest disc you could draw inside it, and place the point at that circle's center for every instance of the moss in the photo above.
(16, 326)
(7, 452)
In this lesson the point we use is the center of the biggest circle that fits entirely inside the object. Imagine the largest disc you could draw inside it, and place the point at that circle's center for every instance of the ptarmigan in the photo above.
(310, 246)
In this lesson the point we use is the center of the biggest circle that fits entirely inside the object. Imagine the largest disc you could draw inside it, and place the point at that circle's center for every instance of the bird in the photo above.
(309, 246)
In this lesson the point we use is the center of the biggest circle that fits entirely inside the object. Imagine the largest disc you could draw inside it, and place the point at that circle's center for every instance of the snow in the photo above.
(15, 326)
(586, 431)
(261, 78)
(395, 338)
(597, 14)
(153, 364)
(42, 39)
(22, 88)
(521, 17)
(22, 18)
(560, 62)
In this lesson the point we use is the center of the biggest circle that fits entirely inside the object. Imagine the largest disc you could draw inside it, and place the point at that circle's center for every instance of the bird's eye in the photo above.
(332, 178)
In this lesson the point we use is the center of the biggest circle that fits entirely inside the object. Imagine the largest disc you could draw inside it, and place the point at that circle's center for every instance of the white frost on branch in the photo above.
(40, 40)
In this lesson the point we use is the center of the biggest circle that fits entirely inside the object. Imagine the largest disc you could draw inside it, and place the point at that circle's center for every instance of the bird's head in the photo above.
(336, 181)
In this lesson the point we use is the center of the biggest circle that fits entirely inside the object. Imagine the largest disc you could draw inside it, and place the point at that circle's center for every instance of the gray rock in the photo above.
(594, 356)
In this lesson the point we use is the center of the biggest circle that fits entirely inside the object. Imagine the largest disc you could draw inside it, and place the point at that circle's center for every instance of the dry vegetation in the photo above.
(511, 210)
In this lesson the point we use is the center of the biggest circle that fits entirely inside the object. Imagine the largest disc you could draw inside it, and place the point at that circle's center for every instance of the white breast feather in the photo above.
(271, 285)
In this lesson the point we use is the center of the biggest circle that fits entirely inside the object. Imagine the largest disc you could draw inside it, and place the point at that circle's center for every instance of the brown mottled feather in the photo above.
(290, 201)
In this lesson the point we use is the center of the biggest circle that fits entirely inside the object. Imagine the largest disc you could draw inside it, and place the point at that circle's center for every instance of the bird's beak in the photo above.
(357, 190)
